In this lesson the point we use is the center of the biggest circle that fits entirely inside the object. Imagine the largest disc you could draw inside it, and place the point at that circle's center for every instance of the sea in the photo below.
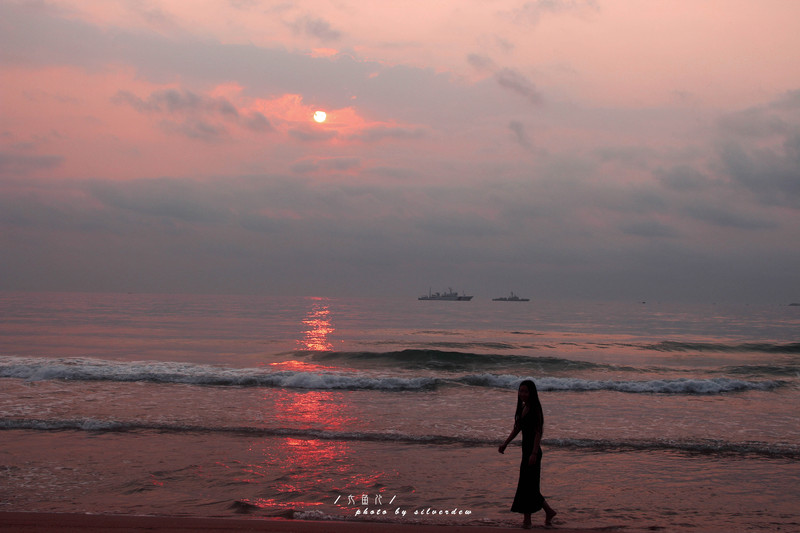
(658, 416)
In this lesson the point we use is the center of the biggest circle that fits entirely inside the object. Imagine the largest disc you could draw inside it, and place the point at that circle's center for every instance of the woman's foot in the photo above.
(548, 516)
(526, 521)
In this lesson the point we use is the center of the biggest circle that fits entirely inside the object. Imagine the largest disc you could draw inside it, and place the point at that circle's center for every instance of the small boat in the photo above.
(449, 296)
(512, 298)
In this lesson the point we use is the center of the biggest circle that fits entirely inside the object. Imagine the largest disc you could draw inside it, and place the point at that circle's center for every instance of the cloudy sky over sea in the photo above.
(558, 148)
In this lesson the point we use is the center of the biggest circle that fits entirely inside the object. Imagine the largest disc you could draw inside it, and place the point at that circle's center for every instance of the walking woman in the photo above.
(529, 419)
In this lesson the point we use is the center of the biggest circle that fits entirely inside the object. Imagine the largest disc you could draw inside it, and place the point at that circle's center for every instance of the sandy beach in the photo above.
(63, 523)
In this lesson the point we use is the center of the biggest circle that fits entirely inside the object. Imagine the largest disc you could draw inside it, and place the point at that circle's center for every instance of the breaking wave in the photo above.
(192, 374)
(658, 386)
(705, 447)
(762, 347)
(33, 369)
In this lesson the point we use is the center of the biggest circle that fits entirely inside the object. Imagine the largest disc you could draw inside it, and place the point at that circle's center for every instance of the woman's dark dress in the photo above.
(528, 498)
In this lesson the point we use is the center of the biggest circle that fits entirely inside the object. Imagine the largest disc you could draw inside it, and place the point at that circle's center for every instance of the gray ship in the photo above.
(449, 296)
(512, 298)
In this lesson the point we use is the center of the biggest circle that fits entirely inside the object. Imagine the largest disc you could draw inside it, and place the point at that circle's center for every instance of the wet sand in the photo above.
(63, 523)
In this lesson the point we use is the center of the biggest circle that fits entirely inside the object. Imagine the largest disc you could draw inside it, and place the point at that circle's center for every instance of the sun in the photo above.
(320, 116)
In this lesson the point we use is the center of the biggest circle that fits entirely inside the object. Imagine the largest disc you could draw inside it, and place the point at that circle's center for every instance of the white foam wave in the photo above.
(660, 386)
(315, 514)
(39, 369)
(32, 369)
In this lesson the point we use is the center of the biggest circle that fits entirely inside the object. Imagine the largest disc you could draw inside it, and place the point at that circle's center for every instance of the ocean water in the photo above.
(657, 416)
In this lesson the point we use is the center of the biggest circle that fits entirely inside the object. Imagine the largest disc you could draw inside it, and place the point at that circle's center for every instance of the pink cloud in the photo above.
(568, 131)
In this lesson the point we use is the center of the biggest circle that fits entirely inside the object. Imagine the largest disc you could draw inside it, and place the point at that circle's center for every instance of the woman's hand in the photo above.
(502, 448)
(533, 458)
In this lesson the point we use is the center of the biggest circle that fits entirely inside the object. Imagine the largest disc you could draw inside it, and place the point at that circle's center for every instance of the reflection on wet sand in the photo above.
(299, 465)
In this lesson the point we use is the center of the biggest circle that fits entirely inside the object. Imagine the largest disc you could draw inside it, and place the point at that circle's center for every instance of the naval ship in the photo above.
(450, 296)
(512, 298)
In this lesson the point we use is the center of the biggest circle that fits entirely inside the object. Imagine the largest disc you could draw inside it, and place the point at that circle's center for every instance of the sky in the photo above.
(560, 149)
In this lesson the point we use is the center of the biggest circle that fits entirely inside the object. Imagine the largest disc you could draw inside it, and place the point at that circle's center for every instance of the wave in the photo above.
(193, 374)
(659, 386)
(32, 369)
(435, 359)
(786, 369)
(96, 425)
(762, 347)
(706, 447)
(703, 447)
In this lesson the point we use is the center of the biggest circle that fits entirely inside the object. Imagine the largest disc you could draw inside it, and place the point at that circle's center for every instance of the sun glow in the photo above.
(320, 116)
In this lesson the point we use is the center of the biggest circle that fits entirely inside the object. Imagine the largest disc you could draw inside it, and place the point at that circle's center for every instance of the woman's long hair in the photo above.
(533, 401)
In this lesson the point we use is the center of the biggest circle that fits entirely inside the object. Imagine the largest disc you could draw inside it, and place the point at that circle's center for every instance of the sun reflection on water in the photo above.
(324, 410)
(318, 327)
(310, 458)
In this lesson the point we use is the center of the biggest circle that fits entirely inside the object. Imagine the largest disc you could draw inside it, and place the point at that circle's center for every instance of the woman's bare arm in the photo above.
(514, 433)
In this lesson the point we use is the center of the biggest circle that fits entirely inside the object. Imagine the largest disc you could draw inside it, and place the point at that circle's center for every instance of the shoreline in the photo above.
(38, 522)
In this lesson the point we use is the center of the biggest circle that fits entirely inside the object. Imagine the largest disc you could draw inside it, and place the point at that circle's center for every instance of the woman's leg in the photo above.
(526, 522)
(549, 513)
